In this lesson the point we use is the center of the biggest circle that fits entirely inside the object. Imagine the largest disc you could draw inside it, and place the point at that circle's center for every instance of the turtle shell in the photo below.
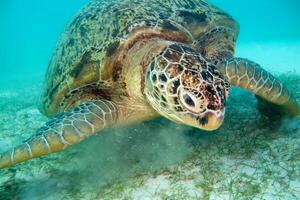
(78, 69)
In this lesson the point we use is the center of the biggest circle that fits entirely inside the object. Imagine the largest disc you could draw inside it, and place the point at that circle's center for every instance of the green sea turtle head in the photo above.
(185, 87)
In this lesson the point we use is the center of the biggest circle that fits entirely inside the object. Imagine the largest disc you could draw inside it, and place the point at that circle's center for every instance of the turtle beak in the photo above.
(214, 120)
(209, 121)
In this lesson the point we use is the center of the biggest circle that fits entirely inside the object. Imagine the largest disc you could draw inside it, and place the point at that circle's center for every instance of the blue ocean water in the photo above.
(269, 32)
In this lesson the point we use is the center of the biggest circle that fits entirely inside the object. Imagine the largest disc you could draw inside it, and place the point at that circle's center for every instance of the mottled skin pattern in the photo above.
(186, 87)
(133, 60)
(250, 76)
(64, 130)
(98, 30)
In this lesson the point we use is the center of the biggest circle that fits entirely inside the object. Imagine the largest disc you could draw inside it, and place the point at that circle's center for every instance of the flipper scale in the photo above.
(250, 76)
(66, 129)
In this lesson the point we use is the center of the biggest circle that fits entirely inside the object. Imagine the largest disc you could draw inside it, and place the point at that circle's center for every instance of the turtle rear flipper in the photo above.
(63, 131)
(250, 76)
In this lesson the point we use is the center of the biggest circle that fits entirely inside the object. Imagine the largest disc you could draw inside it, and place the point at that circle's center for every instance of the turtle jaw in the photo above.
(208, 121)
(215, 120)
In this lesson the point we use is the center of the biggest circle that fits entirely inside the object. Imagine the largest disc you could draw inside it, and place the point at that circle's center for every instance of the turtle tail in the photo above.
(63, 131)
(250, 76)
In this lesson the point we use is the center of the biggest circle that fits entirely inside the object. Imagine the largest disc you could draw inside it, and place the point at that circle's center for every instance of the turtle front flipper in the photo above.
(250, 76)
(63, 131)
(218, 43)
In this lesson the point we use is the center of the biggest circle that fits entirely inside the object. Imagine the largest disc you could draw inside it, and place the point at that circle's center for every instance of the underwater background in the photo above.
(249, 157)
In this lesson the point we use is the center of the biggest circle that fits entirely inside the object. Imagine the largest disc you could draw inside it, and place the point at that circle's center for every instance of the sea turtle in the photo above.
(122, 62)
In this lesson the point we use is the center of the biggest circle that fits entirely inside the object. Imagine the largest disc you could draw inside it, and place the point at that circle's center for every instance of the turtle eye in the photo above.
(188, 100)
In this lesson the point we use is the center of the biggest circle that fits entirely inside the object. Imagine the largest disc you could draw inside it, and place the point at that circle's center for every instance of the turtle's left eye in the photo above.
(191, 102)
(188, 100)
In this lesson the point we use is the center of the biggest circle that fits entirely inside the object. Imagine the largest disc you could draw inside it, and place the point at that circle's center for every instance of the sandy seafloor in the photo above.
(250, 157)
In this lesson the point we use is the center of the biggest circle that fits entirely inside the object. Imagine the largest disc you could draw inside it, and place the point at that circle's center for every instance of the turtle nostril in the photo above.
(215, 116)
(219, 114)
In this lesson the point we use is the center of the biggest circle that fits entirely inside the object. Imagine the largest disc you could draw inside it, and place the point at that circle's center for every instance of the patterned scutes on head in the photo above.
(180, 81)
